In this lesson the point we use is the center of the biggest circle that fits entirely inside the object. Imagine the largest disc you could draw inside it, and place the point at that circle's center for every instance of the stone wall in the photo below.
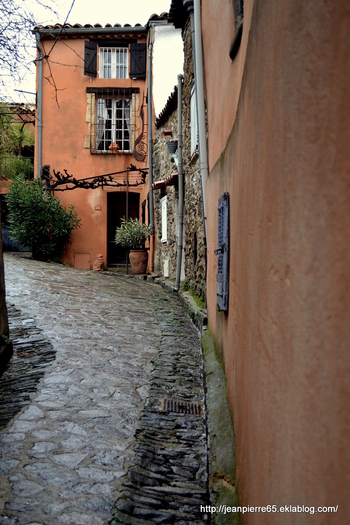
(163, 168)
(194, 243)
(194, 256)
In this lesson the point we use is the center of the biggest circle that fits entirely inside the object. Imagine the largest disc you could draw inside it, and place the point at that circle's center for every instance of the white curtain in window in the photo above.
(101, 120)
(128, 120)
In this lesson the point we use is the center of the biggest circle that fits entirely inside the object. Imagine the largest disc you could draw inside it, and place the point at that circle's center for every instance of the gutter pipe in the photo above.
(150, 144)
(202, 139)
(181, 185)
(150, 122)
(40, 103)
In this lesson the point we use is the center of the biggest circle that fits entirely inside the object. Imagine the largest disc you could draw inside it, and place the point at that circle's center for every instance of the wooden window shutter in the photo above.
(90, 59)
(222, 278)
(137, 61)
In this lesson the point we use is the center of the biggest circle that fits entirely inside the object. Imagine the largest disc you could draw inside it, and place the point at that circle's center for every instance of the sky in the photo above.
(113, 12)
(103, 11)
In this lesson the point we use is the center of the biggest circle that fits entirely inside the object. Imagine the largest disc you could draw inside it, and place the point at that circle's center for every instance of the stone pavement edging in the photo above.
(198, 315)
(221, 442)
(168, 482)
(32, 354)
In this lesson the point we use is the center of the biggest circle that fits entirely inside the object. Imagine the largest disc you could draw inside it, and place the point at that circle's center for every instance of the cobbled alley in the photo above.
(102, 407)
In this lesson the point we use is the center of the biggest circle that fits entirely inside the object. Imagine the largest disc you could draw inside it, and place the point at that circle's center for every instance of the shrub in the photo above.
(12, 166)
(132, 234)
(38, 219)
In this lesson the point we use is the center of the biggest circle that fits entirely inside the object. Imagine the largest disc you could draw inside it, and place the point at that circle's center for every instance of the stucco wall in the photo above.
(282, 154)
(66, 126)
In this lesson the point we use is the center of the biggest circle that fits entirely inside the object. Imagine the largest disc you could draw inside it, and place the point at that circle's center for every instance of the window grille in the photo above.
(112, 119)
(113, 123)
(113, 62)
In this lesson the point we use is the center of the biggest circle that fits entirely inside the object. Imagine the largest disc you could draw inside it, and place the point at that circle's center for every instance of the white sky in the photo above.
(103, 11)
(112, 12)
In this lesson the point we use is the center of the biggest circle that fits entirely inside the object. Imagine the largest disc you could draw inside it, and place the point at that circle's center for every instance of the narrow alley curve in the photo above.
(84, 450)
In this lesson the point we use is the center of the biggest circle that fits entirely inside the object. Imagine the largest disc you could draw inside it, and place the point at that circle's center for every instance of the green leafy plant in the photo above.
(132, 234)
(38, 219)
(21, 137)
(12, 166)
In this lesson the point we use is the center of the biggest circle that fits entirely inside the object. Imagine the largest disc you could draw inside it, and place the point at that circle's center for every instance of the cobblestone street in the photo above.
(109, 423)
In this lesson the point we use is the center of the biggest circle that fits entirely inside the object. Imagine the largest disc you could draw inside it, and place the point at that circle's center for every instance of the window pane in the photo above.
(113, 62)
(113, 123)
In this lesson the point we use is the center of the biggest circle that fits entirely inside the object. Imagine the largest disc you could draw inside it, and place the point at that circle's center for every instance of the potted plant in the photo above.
(132, 235)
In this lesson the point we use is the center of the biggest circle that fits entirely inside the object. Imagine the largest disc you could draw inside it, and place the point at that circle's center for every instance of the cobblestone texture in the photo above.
(32, 355)
(168, 481)
(84, 442)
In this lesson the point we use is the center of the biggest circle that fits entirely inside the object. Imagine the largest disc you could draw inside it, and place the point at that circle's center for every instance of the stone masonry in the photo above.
(194, 243)
(194, 253)
(163, 168)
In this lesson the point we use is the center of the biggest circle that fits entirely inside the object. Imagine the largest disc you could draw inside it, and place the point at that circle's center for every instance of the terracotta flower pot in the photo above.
(113, 147)
(138, 261)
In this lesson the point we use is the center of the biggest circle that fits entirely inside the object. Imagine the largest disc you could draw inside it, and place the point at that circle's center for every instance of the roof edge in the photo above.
(57, 30)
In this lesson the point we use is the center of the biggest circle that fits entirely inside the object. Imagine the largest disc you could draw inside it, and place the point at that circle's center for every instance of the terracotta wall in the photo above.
(65, 128)
(279, 134)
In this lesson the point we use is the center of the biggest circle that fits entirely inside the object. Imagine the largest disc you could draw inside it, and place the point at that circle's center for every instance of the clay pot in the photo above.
(138, 261)
(113, 147)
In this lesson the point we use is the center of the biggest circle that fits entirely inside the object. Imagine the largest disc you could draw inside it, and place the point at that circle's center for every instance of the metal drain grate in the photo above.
(182, 407)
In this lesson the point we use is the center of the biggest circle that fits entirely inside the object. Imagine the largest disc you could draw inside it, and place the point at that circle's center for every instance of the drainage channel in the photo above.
(168, 480)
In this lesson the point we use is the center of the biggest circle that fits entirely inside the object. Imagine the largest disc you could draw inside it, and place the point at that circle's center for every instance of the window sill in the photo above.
(92, 152)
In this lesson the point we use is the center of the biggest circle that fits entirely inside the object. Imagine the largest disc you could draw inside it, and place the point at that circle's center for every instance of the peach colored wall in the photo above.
(285, 162)
(63, 132)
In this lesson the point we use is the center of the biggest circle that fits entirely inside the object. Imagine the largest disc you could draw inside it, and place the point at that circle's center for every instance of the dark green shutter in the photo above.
(90, 59)
(137, 61)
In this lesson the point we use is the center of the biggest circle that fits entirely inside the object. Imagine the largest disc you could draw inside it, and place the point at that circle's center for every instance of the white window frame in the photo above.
(113, 62)
(194, 122)
(163, 202)
(113, 123)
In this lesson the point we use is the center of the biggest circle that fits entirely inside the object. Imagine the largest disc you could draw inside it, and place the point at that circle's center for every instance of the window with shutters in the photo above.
(222, 279)
(115, 60)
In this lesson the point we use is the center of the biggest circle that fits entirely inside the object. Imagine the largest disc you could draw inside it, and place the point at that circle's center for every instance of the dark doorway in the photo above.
(116, 210)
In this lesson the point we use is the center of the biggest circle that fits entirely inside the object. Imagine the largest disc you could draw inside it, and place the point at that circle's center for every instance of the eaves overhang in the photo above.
(78, 31)
(97, 30)
(179, 12)
(168, 109)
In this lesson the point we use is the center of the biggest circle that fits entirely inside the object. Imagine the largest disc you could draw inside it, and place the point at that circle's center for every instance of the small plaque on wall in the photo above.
(98, 208)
